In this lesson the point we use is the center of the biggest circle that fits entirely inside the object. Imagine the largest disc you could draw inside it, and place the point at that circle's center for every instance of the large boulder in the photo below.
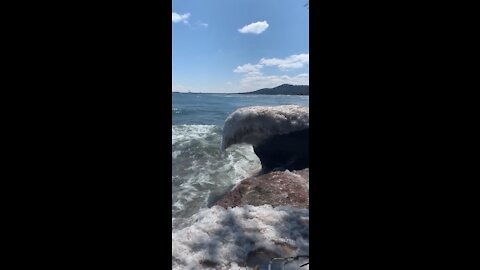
(274, 188)
(279, 134)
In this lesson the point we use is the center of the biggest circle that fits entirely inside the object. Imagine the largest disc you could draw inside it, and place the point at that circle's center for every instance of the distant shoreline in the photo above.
(281, 90)
(247, 93)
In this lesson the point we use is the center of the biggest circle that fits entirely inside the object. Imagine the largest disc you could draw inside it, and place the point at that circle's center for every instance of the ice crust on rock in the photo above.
(225, 238)
(254, 124)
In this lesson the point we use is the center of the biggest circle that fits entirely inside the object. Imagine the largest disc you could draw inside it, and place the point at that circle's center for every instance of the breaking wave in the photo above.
(202, 171)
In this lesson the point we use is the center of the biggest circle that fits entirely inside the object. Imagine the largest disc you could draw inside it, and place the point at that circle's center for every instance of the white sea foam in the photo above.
(254, 124)
(225, 237)
(176, 110)
(201, 171)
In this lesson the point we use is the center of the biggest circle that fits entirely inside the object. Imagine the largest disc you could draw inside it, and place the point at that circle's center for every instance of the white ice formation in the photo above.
(254, 124)
(224, 239)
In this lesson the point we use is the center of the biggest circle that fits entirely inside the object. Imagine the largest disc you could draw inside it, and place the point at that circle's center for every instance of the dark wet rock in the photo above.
(208, 263)
(274, 188)
(286, 152)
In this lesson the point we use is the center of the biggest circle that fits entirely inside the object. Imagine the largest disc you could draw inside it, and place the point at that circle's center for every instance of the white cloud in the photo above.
(248, 68)
(254, 28)
(291, 62)
(253, 79)
(180, 17)
(203, 24)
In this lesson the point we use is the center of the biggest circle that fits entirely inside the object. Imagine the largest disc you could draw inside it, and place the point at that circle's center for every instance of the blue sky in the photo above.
(238, 45)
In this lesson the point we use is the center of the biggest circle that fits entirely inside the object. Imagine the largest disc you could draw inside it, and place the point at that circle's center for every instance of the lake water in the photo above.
(201, 171)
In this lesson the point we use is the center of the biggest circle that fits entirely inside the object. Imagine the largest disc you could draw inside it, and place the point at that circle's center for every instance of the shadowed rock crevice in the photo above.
(284, 152)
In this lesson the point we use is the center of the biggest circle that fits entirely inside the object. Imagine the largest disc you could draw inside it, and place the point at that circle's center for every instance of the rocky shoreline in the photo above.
(279, 136)
(275, 189)
(264, 216)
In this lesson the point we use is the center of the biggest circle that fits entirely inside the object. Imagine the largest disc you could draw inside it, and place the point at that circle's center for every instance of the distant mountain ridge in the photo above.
(284, 89)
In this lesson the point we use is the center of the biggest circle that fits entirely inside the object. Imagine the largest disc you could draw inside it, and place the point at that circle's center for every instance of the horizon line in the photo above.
(190, 92)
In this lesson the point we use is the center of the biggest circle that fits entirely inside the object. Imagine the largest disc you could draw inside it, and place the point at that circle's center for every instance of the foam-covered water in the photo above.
(202, 172)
